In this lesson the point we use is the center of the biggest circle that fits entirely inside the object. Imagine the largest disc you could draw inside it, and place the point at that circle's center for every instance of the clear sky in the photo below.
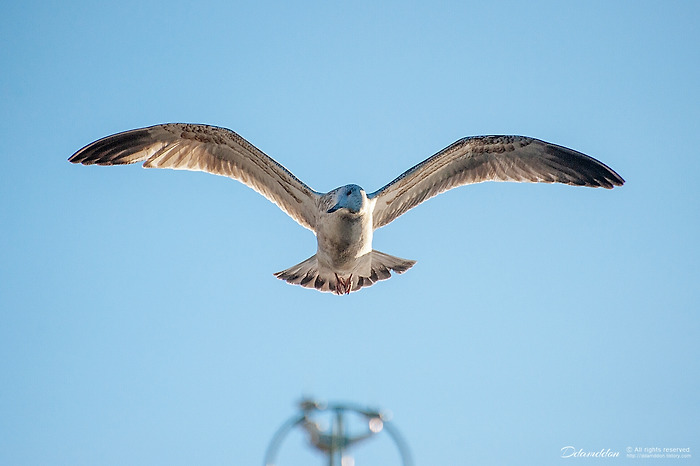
(140, 322)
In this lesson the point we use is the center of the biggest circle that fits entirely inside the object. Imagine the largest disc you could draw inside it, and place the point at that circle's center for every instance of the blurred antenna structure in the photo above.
(335, 440)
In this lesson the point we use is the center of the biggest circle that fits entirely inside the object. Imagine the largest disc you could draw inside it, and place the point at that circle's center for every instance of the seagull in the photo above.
(345, 218)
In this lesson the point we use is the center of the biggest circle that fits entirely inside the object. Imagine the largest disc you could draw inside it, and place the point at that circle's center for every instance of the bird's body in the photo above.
(344, 236)
(345, 218)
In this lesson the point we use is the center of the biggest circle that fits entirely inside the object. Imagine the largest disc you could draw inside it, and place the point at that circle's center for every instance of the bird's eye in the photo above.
(349, 192)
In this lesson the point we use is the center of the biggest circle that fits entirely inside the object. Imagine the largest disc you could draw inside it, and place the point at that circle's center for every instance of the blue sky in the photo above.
(139, 319)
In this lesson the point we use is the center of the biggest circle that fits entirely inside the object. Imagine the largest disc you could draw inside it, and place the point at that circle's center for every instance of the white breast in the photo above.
(343, 240)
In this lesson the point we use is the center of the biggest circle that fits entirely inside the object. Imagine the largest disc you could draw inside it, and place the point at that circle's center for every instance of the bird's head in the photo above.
(350, 197)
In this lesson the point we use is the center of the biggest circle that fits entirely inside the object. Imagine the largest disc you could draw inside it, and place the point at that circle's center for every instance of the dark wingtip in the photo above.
(619, 181)
(114, 149)
(611, 179)
(589, 171)
(78, 157)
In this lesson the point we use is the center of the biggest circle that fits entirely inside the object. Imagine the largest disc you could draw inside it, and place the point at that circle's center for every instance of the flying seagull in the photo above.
(345, 218)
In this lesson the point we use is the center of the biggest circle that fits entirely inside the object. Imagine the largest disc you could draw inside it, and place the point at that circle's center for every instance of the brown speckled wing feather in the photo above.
(210, 149)
(489, 158)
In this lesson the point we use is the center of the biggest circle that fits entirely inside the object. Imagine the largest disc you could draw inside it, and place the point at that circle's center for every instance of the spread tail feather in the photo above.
(308, 275)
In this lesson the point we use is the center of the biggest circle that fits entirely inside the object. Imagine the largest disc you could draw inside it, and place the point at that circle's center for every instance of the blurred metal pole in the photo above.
(336, 440)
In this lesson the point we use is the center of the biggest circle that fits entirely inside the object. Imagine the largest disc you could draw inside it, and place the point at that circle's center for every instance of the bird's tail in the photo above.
(307, 274)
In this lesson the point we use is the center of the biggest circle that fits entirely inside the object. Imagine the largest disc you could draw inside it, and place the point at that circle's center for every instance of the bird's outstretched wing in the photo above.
(489, 158)
(210, 149)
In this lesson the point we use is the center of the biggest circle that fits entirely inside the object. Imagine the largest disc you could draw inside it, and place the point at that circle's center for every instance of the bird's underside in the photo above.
(352, 213)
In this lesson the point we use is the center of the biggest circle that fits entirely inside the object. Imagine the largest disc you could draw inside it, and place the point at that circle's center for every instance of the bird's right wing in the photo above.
(210, 149)
(489, 158)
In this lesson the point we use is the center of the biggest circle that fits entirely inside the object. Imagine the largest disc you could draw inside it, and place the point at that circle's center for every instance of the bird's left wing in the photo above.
(210, 149)
(489, 158)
